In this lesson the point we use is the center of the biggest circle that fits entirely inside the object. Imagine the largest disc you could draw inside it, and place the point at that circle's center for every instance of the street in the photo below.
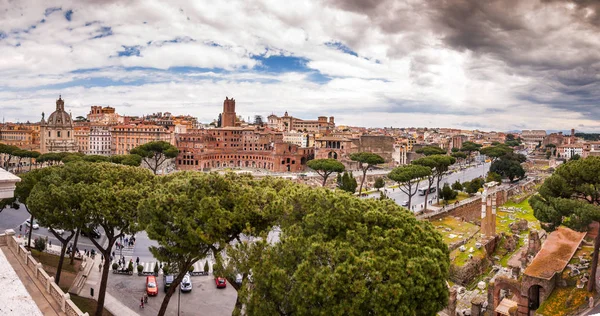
(418, 200)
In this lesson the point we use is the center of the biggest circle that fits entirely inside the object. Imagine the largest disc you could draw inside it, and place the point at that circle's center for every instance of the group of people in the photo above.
(130, 242)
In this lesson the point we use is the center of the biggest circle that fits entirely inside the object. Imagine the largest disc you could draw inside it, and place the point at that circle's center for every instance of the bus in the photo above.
(423, 191)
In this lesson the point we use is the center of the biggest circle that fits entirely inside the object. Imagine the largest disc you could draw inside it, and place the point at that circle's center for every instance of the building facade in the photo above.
(57, 133)
(340, 147)
(126, 137)
(100, 140)
(23, 135)
(289, 123)
(297, 138)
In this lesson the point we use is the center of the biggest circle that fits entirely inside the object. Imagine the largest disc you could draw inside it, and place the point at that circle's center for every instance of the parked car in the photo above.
(186, 283)
(35, 224)
(404, 203)
(238, 279)
(151, 286)
(220, 282)
(90, 232)
(168, 281)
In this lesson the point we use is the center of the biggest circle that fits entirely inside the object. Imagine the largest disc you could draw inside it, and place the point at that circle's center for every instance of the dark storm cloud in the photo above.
(555, 44)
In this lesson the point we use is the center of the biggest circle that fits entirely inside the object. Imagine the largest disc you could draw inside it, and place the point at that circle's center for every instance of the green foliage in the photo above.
(459, 155)
(439, 165)
(190, 214)
(95, 158)
(325, 167)
(155, 153)
(575, 157)
(350, 256)
(140, 268)
(496, 152)
(512, 143)
(508, 168)
(510, 137)
(347, 182)
(493, 177)
(447, 193)
(191, 269)
(457, 186)
(366, 161)
(71, 158)
(128, 160)
(130, 266)
(156, 269)
(379, 183)
(115, 266)
(206, 267)
(473, 186)
(39, 244)
(469, 147)
(431, 150)
(455, 149)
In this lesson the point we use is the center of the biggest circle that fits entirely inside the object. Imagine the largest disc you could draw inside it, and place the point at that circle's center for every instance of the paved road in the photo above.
(12, 218)
(418, 201)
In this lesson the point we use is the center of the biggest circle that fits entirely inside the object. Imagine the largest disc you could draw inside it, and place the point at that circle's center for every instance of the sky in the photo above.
(489, 65)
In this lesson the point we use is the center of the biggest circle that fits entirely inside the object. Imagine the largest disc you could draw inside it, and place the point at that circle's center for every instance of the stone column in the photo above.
(451, 308)
(48, 282)
(64, 300)
(476, 306)
(490, 297)
(37, 269)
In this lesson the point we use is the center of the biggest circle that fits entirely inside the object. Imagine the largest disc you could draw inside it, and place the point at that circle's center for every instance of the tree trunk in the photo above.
(592, 281)
(102, 289)
(74, 246)
(63, 249)
(439, 179)
(362, 181)
(325, 176)
(174, 286)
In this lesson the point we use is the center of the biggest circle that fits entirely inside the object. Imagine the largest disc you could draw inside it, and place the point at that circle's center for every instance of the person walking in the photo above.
(100, 267)
(137, 261)
(21, 227)
(142, 302)
(145, 298)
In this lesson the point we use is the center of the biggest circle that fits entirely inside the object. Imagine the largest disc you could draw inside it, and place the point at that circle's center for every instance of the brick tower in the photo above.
(228, 116)
(488, 210)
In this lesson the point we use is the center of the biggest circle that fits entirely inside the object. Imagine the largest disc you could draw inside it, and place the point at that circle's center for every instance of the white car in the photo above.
(58, 230)
(35, 224)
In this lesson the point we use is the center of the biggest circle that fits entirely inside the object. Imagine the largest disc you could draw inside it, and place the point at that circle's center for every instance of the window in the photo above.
(58, 134)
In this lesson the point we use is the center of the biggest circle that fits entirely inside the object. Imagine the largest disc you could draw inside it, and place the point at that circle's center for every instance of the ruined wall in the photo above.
(465, 274)
(470, 212)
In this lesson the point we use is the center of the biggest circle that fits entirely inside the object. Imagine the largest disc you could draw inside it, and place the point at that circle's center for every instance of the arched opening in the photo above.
(535, 294)
(302, 161)
(332, 155)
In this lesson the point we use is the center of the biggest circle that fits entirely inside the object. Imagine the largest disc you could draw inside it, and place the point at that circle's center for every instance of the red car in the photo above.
(220, 282)
(151, 287)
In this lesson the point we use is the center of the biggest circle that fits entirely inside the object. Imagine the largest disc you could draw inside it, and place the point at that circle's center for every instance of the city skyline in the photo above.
(503, 65)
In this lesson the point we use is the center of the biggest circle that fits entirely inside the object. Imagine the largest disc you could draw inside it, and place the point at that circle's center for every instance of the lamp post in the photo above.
(178, 301)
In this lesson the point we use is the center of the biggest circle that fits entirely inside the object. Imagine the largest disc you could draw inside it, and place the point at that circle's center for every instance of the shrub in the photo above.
(457, 186)
(140, 268)
(206, 267)
(39, 244)
(379, 183)
(191, 269)
(156, 269)
(115, 266)
(130, 267)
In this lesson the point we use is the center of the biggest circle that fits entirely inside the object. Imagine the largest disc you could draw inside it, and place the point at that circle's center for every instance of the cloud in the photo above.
(457, 63)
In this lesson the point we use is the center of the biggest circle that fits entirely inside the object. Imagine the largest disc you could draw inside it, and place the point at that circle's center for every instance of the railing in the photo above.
(25, 258)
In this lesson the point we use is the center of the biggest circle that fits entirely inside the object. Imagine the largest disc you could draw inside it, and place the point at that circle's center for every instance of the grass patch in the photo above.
(88, 305)
(51, 260)
(457, 228)
(459, 258)
(564, 301)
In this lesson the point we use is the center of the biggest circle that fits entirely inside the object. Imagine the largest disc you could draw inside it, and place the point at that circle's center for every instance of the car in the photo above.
(35, 224)
(238, 279)
(220, 282)
(168, 281)
(90, 232)
(186, 283)
(151, 286)
(405, 204)
(58, 230)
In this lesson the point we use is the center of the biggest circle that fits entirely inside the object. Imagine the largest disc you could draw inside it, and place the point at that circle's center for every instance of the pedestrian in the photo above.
(100, 267)
(21, 227)
(142, 302)
(50, 243)
(113, 254)
(137, 261)
(145, 298)
(85, 251)
(102, 258)
(125, 239)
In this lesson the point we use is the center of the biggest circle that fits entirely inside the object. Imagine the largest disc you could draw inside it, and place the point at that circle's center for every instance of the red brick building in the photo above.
(238, 147)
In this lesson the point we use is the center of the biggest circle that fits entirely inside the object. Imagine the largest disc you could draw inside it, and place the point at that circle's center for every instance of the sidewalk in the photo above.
(110, 302)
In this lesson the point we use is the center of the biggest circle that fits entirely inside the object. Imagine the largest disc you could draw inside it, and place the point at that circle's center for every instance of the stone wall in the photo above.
(465, 274)
(470, 212)
(52, 289)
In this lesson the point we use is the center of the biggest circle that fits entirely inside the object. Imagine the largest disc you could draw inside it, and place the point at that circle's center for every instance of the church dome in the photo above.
(60, 117)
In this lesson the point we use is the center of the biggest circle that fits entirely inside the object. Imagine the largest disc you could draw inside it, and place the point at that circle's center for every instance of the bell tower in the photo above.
(228, 116)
